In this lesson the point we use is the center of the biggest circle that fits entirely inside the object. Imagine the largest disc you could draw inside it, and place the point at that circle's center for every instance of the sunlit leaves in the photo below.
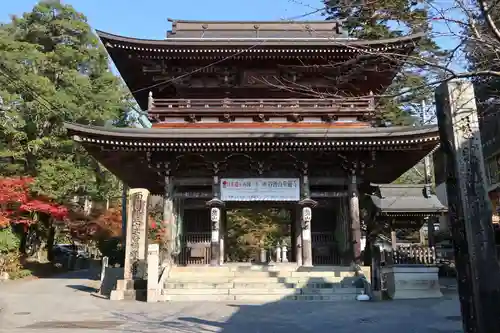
(53, 70)
(374, 20)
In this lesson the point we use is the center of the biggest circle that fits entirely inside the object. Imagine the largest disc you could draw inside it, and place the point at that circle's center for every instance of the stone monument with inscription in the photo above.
(133, 285)
(469, 207)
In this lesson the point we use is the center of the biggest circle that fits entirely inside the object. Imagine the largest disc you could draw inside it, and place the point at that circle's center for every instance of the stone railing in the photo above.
(279, 253)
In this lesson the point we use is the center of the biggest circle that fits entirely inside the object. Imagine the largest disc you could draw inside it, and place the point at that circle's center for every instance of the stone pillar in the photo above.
(136, 245)
(306, 218)
(355, 219)
(134, 284)
(153, 273)
(469, 207)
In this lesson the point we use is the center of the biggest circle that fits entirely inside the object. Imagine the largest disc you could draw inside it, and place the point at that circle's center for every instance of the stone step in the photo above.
(252, 285)
(238, 268)
(257, 298)
(198, 285)
(227, 285)
(226, 272)
(263, 271)
(261, 291)
(320, 282)
(253, 276)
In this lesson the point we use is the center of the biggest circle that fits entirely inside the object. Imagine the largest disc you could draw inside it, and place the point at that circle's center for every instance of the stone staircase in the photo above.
(260, 283)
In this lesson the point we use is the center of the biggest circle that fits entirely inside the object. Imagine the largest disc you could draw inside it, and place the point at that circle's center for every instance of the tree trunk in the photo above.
(50, 241)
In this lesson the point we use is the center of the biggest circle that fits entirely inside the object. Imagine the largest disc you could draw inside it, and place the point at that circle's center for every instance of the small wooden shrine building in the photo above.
(259, 113)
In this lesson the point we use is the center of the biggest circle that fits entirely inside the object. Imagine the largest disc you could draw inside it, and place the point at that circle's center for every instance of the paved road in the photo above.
(64, 304)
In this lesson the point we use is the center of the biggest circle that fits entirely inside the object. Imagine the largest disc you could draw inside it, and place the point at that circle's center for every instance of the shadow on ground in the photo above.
(83, 288)
(416, 316)
(50, 270)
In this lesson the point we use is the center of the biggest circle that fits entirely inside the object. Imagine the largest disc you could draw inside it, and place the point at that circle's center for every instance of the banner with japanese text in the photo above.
(260, 189)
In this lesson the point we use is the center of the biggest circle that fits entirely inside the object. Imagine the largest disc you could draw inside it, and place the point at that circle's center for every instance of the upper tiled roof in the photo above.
(256, 29)
(406, 199)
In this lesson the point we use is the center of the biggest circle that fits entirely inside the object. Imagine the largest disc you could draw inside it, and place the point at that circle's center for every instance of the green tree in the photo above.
(249, 230)
(482, 55)
(52, 70)
(374, 20)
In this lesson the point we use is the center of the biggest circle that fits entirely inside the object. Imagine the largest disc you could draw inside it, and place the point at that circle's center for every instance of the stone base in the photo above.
(135, 290)
(411, 281)
(153, 295)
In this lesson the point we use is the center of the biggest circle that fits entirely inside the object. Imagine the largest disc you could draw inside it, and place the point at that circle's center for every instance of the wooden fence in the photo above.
(410, 255)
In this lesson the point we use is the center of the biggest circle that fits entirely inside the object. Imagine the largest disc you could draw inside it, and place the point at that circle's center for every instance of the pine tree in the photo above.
(52, 70)
(374, 20)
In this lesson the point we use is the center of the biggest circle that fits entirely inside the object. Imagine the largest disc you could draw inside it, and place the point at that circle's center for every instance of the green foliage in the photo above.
(248, 230)
(19, 273)
(53, 70)
(113, 249)
(9, 240)
(393, 18)
(414, 175)
(482, 54)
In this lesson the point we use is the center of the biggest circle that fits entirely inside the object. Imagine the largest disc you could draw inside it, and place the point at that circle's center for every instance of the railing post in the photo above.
(263, 256)
(371, 102)
(284, 257)
(278, 252)
(150, 100)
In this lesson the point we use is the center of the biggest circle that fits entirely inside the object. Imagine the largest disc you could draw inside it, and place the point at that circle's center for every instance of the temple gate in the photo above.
(228, 105)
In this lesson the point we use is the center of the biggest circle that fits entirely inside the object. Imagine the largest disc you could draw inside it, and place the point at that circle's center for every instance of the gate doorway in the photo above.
(249, 230)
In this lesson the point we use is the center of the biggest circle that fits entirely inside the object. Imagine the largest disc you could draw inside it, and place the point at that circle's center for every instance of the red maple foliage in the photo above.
(103, 224)
(16, 200)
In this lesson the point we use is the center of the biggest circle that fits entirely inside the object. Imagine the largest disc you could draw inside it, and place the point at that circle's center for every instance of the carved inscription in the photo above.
(138, 210)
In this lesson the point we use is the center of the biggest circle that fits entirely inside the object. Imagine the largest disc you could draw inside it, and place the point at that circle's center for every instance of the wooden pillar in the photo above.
(306, 205)
(430, 231)
(222, 236)
(169, 218)
(306, 217)
(469, 207)
(136, 245)
(355, 219)
(215, 205)
(297, 233)
(342, 234)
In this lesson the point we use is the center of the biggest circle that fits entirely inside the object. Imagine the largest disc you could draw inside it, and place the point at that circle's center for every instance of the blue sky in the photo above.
(148, 18)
